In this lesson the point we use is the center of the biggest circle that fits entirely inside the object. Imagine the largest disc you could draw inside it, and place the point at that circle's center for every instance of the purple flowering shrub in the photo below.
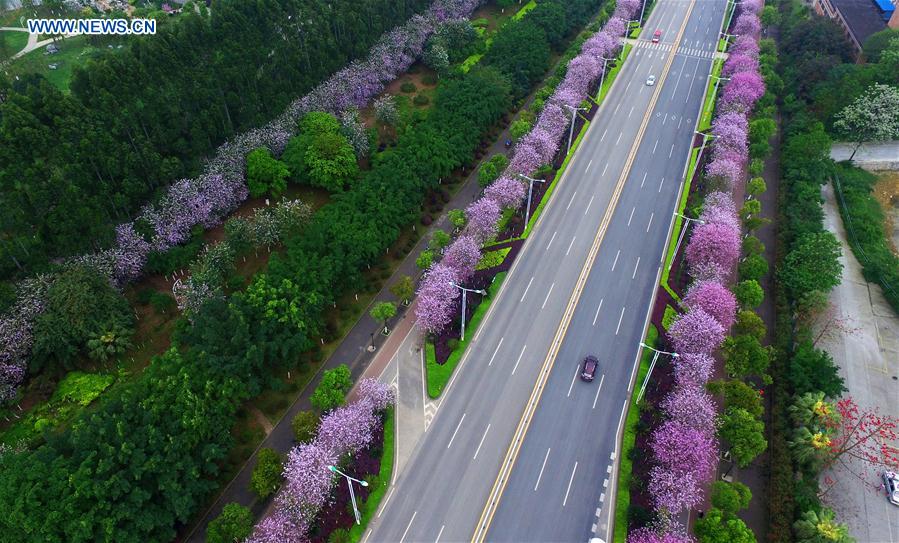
(713, 298)
(696, 332)
(307, 480)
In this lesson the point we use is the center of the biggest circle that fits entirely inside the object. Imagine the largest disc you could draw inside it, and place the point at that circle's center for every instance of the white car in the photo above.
(891, 484)
(651, 80)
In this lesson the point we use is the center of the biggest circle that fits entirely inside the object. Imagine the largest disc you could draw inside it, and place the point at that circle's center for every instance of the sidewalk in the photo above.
(352, 351)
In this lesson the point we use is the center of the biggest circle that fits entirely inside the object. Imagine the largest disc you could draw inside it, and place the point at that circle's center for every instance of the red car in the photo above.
(590, 365)
(657, 36)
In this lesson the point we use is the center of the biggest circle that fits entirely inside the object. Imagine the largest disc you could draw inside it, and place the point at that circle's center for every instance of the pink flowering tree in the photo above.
(463, 256)
(691, 406)
(719, 208)
(737, 63)
(730, 131)
(685, 461)
(436, 298)
(660, 534)
(745, 45)
(713, 298)
(716, 243)
(696, 332)
(482, 217)
(693, 369)
(747, 24)
(742, 92)
(506, 192)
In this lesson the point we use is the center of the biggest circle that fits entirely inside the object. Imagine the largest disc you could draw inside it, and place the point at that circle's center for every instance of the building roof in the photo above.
(862, 17)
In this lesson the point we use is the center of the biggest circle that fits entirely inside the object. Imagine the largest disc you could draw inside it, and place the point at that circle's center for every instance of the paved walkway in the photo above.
(866, 348)
(870, 156)
(32, 41)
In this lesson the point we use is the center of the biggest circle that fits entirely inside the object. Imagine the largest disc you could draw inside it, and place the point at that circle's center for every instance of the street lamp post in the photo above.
(718, 80)
(574, 111)
(642, 9)
(602, 76)
(531, 181)
(680, 238)
(465, 292)
(349, 483)
(651, 366)
(731, 16)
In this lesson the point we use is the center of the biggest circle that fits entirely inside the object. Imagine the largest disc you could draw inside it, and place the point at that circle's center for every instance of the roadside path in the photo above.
(867, 354)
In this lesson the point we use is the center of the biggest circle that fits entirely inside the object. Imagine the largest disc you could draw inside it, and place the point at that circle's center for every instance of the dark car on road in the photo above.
(590, 365)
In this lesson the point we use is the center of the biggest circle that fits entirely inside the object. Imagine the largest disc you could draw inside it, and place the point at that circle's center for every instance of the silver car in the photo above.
(891, 484)
(651, 80)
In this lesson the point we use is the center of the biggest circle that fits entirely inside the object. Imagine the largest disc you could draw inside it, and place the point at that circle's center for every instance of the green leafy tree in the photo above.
(749, 323)
(457, 218)
(749, 209)
(439, 240)
(265, 174)
(383, 312)
(522, 52)
(81, 304)
(749, 293)
(233, 525)
(752, 245)
(813, 264)
(753, 267)
(738, 394)
(874, 116)
(744, 356)
(820, 527)
(424, 259)
(730, 497)
(770, 16)
(267, 475)
(403, 289)
(744, 433)
(811, 369)
(519, 128)
(331, 391)
(320, 154)
(487, 174)
(756, 187)
(718, 527)
(878, 42)
(305, 426)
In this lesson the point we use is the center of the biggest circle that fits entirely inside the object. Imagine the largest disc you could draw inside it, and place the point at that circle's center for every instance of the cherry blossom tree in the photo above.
(463, 256)
(482, 216)
(737, 63)
(696, 332)
(669, 532)
(713, 298)
(742, 92)
(747, 24)
(714, 242)
(506, 192)
(693, 369)
(731, 130)
(692, 406)
(436, 298)
(719, 208)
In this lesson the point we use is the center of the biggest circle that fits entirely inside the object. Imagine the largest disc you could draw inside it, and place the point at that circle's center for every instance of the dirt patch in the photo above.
(886, 191)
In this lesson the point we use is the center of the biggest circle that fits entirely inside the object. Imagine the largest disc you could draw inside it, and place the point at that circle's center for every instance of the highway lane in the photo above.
(445, 485)
(560, 486)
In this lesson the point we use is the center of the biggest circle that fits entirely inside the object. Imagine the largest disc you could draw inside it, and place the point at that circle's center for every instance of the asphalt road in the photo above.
(443, 490)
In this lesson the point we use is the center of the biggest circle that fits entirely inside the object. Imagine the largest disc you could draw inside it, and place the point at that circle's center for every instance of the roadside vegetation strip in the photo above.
(370, 506)
(705, 122)
(678, 222)
(438, 375)
(524, 9)
(552, 185)
(610, 77)
(629, 437)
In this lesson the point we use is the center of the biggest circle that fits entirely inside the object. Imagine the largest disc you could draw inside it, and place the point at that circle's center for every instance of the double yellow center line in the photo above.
(511, 456)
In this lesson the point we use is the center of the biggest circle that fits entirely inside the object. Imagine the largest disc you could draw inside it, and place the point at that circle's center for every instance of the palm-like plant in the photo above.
(103, 346)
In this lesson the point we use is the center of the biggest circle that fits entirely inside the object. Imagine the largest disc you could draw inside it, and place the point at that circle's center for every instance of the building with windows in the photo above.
(860, 18)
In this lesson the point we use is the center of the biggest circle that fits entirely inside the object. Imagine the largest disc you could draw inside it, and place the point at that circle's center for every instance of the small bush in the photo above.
(83, 388)
(331, 391)
(668, 317)
(426, 219)
(421, 100)
(235, 523)
(162, 303)
(453, 344)
(408, 87)
(304, 425)
(267, 474)
(429, 79)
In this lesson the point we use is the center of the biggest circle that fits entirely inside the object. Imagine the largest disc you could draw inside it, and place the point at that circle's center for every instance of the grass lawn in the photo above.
(370, 505)
(72, 52)
(623, 494)
(438, 375)
(15, 41)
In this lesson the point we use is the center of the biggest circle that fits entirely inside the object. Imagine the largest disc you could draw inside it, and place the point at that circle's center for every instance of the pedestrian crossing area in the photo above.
(687, 48)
